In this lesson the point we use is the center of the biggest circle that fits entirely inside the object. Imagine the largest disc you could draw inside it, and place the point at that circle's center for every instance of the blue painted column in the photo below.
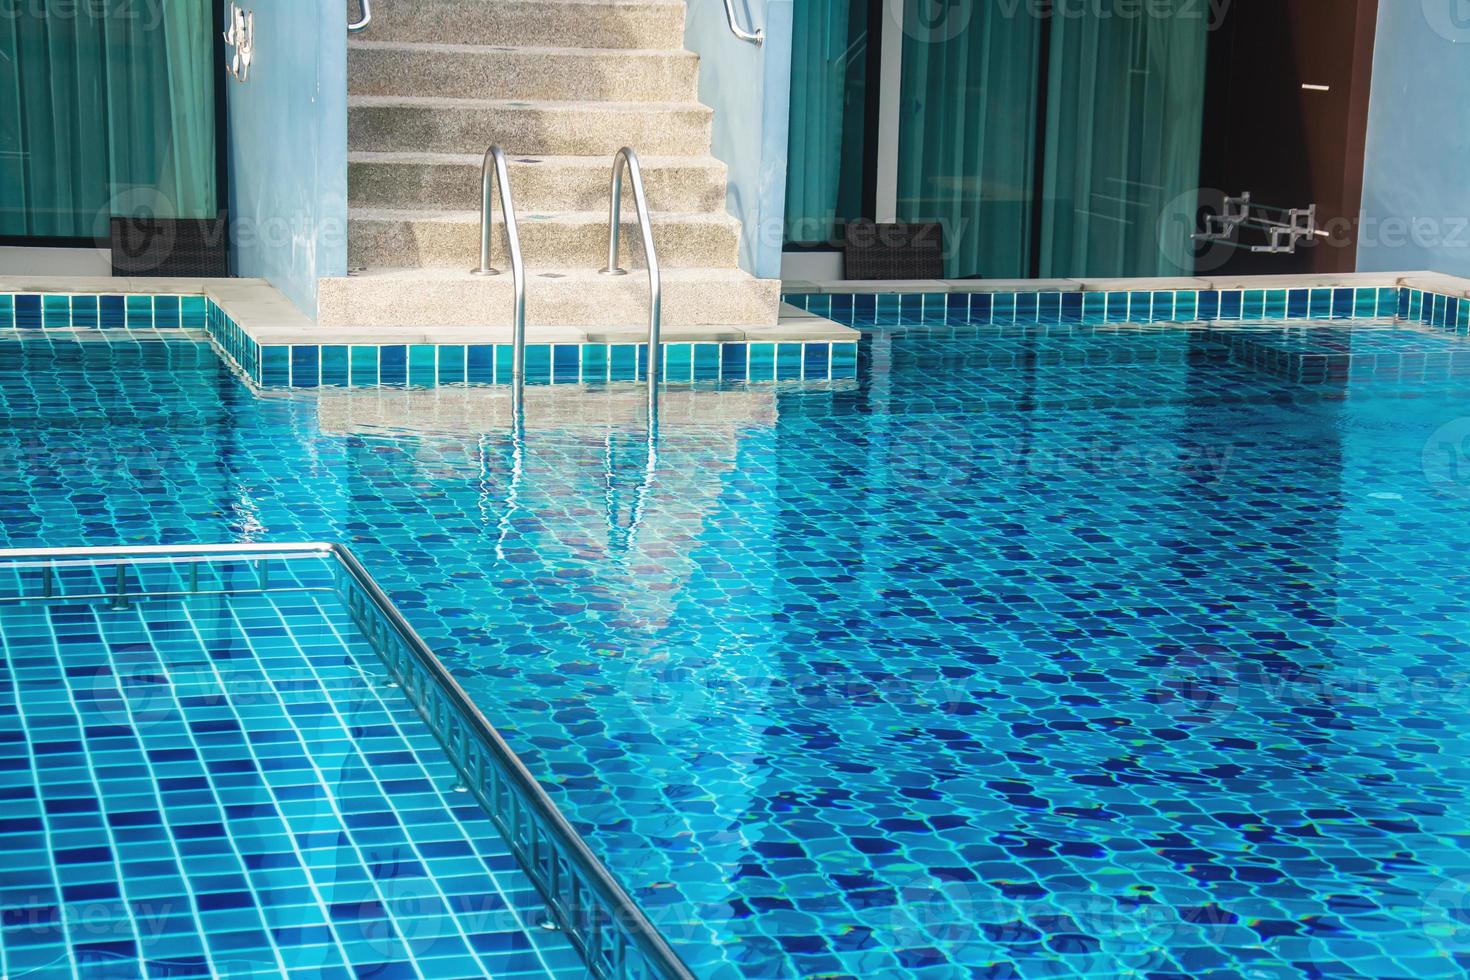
(288, 148)
(749, 88)
(1416, 198)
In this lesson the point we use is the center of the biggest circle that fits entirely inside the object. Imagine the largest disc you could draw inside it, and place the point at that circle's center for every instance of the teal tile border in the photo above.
(365, 366)
(418, 365)
(1119, 306)
(428, 365)
(89, 311)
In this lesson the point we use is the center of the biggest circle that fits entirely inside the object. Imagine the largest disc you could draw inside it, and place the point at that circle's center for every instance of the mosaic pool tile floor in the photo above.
(1038, 652)
(226, 786)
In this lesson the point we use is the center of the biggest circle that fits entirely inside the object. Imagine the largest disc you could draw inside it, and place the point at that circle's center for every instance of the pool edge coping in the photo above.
(1424, 280)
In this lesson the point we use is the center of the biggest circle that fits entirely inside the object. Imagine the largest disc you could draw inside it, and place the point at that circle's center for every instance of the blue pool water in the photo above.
(1036, 651)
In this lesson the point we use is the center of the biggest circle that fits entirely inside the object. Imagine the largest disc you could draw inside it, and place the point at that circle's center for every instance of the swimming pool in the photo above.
(1074, 649)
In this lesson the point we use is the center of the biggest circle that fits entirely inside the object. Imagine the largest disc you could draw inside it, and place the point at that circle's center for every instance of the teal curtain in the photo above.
(968, 131)
(825, 149)
(1124, 120)
(105, 109)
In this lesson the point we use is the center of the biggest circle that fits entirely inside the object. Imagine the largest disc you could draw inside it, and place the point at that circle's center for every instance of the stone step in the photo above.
(565, 23)
(437, 125)
(465, 71)
(405, 298)
(549, 239)
(428, 181)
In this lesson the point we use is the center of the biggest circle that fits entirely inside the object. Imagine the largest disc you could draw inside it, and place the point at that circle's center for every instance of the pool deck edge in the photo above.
(1435, 282)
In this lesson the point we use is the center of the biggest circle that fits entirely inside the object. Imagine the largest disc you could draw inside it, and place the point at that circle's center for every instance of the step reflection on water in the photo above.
(550, 410)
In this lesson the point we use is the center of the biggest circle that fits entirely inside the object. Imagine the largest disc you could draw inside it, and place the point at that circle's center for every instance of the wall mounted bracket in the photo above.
(1283, 228)
(241, 37)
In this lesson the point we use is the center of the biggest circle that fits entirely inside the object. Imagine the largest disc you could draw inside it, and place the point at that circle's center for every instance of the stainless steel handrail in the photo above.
(754, 37)
(494, 171)
(629, 159)
(153, 550)
(367, 17)
(625, 912)
(50, 560)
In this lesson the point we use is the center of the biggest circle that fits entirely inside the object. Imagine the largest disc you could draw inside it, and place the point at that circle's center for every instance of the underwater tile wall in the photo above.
(234, 342)
(1434, 309)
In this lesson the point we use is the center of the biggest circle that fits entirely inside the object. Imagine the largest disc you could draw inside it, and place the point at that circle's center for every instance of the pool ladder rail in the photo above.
(626, 161)
(495, 176)
(756, 37)
(360, 25)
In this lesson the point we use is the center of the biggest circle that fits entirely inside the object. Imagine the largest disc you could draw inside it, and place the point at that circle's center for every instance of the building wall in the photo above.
(288, 149)
(1416, 199)
(749, 88)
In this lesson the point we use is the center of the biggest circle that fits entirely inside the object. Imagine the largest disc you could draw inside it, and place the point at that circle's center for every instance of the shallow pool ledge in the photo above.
(273, 344)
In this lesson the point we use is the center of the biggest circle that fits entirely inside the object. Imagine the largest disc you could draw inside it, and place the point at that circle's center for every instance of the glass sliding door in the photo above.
(105, 109)
(1048, 139)
(1124, 122)
(829, 107)
(967, 140)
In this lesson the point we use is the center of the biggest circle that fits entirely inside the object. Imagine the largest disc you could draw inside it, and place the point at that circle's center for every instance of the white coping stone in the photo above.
(863, 286)
(1143, 285)
(1436, 282)
(1429, 281)
(668, 335)
(1014, 285)
(1331, 281)
(107, 285)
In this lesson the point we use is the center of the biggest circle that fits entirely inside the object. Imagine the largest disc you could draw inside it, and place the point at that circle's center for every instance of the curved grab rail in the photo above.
(358, 26)
(754, 37)
(494, 172)
(629, 159)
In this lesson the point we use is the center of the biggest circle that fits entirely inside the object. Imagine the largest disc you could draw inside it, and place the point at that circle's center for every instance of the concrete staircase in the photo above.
(561, 85)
